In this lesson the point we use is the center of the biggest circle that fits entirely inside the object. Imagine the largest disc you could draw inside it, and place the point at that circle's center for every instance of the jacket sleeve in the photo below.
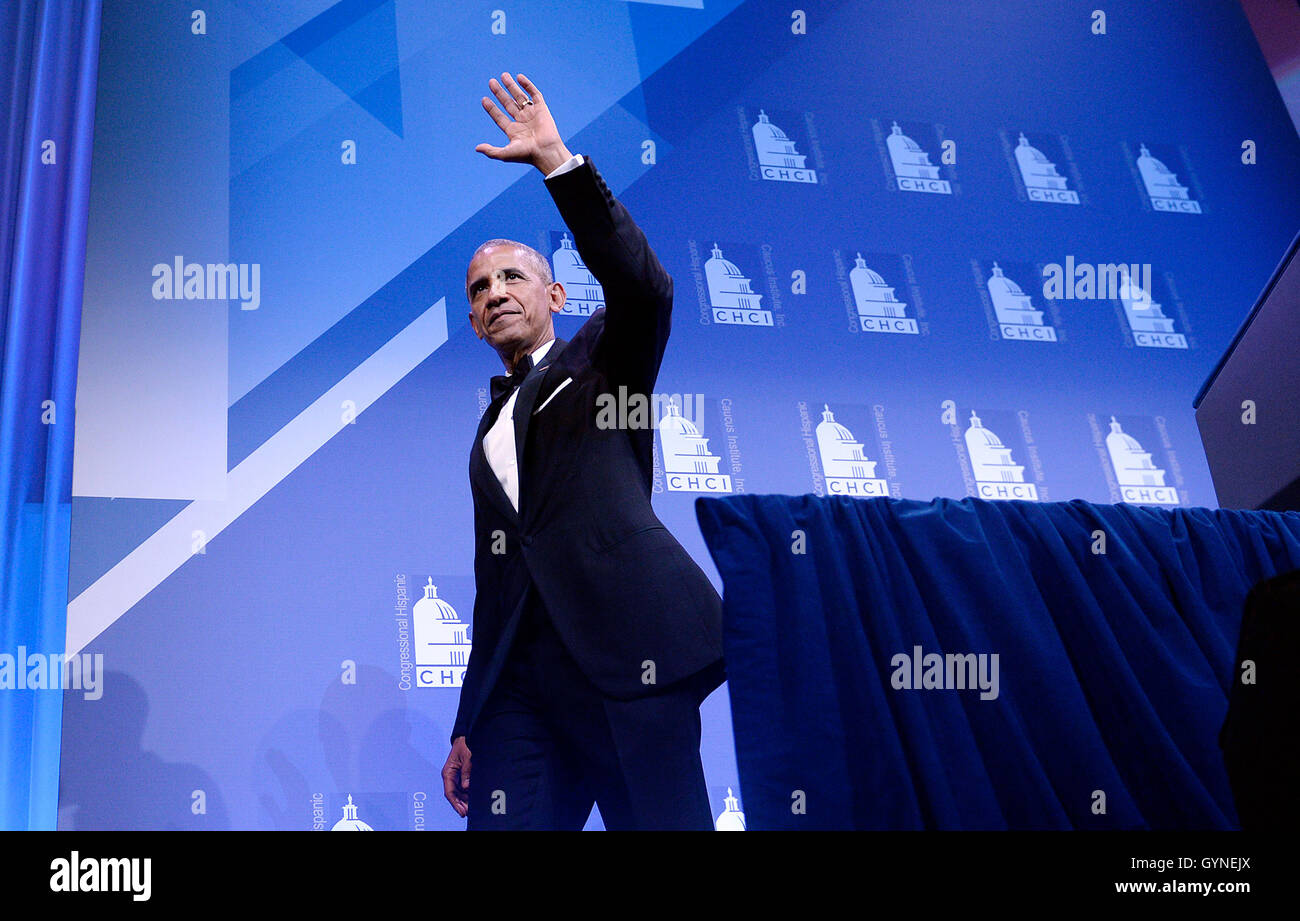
(459, 727)
(638, 291)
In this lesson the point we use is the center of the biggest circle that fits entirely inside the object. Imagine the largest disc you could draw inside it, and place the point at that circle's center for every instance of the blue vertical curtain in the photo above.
(1116, 629)
(48, 59)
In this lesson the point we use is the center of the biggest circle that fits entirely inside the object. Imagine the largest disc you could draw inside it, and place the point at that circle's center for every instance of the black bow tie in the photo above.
(504, 383)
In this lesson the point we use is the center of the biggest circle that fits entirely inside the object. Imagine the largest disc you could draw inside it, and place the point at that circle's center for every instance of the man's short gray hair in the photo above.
(541, 265)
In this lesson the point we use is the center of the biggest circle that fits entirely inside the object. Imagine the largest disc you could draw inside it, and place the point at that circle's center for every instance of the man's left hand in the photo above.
(527, 122)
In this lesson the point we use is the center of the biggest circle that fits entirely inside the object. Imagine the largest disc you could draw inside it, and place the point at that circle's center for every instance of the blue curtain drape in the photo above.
(48, 58)
(1114, 667)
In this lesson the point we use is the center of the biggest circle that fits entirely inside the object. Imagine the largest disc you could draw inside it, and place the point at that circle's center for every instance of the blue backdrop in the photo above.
(861, 205)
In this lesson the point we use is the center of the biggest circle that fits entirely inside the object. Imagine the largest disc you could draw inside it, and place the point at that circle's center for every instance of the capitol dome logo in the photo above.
(583, 293)
(1151, 328)
(847, 469)
(997, 475)
(778, 158)
(731, 818)
(1162, 186)
(1140, 481)
(350, 822)
(879, 311)
(1017, 317)
(688, 465)
(731, 294)
(1039, 174)
(442, 642)
(913, 171)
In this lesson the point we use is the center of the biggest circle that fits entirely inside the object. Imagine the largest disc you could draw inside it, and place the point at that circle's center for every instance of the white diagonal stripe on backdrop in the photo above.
(166, 550)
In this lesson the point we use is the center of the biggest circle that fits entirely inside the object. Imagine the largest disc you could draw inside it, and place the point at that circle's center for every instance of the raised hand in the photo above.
(527, 123)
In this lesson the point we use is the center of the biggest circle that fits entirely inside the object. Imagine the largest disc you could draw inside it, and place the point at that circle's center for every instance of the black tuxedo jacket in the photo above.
(624, 596)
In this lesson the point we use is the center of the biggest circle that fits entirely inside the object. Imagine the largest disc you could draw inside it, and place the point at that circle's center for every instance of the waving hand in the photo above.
(527, 123)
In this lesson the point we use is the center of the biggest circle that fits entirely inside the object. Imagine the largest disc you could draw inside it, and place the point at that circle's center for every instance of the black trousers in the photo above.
(548, 744)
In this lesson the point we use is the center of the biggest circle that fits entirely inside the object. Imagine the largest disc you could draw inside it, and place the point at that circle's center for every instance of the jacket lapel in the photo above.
(528, 391)
(480, 470)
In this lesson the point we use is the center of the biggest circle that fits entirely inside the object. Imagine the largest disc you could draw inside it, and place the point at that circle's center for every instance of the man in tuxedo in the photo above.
(596, 636)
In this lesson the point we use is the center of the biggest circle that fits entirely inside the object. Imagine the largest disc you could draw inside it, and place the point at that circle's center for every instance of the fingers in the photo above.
(533, 91)
(449, 783)
(497, 115)
(519, 96)
(454, 787)
(508, 101)
(502, 122)
(513, 100)
(459, 803)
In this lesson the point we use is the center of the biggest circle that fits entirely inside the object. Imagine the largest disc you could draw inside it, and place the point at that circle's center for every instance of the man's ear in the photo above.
(558, 297)
(473, 322)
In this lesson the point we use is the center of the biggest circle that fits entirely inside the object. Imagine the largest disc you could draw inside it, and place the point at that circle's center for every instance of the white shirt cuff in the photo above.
(572, 163)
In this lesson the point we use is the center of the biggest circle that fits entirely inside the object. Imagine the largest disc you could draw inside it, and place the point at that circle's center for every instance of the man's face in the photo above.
(510, 304)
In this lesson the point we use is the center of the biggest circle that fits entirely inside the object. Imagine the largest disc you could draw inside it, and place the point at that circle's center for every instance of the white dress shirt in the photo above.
(499, 442)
